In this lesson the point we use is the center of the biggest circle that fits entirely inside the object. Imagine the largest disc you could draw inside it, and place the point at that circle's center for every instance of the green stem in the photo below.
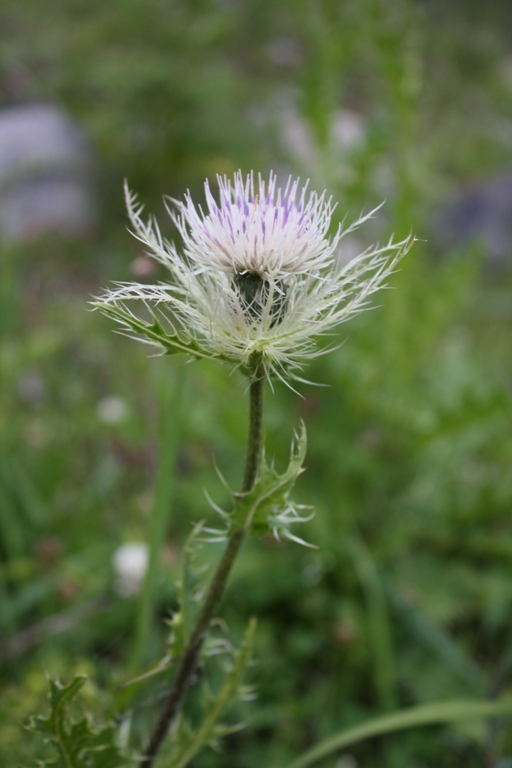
(253, 455)
(190, 657)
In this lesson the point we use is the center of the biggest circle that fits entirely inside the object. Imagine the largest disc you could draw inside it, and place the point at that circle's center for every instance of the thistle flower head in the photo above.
(260, 231)
(257, 278)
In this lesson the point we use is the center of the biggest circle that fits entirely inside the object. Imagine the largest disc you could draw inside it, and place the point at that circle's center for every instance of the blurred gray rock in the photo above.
(347, 133)
(46, 174)
(481, 214)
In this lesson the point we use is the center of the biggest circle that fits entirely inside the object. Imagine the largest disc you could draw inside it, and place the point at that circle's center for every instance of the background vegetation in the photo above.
(408, 597)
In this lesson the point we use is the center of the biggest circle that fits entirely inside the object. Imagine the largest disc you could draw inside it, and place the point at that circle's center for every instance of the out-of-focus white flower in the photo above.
(258, 278)
(130, 562)
(112, 409)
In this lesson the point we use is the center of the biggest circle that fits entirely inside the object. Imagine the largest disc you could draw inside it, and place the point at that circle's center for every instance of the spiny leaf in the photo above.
(182, 621)
(210, 730)
(76, 743)
(268, 506)
(155, 333)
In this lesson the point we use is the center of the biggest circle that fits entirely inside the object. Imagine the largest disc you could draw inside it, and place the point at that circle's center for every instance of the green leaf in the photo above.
(182, 621)
(171, 417)
(155, 333)
(268, 506)
(433, 637)
(209, 729)
(427, 714)
(379, 624)
(76, 743)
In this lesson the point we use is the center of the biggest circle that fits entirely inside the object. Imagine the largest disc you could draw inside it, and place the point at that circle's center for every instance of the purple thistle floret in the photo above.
(258, 229)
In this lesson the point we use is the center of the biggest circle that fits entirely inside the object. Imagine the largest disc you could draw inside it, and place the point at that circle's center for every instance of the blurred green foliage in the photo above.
(407, 600)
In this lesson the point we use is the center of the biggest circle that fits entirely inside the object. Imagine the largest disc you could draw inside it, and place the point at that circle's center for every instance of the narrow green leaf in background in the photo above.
(426, 714)
(379, 624)
(172, 410)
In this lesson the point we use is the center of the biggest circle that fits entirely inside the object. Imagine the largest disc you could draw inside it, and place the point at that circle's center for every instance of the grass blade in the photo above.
(172, 407)
(379, 624)
(425, 714)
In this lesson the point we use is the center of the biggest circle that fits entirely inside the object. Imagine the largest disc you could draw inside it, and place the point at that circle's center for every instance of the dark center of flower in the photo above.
(259, 297)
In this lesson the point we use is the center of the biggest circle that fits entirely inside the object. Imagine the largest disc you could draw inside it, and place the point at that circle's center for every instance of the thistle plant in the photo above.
(257, 280)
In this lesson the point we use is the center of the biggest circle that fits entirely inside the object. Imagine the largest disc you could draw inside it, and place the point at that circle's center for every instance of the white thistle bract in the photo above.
(258, 277)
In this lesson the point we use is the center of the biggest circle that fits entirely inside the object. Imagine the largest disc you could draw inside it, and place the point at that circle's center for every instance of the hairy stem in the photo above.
(190, 657)
(253, 455)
